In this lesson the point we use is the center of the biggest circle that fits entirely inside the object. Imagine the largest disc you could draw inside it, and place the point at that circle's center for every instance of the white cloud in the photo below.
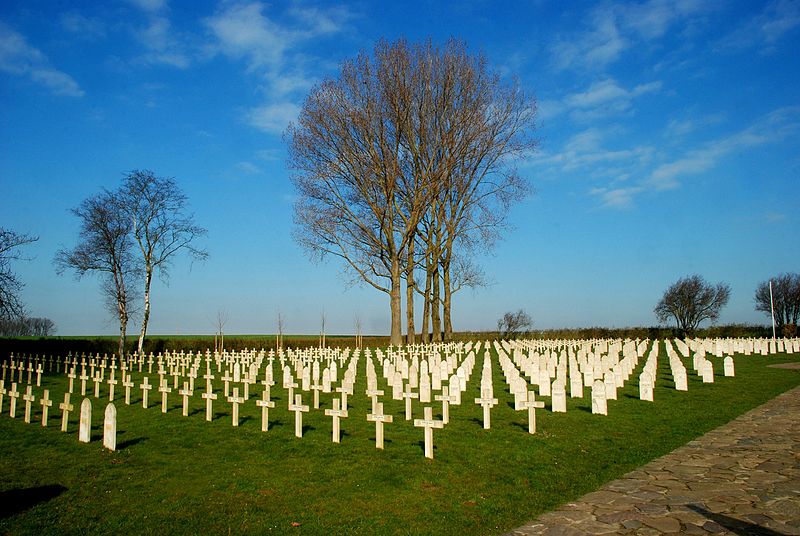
(272, 50)
(273, 118)
(602, 98)
(595, 48)
(682, 127)
(614, 28)
(248, 168)
(771, 128)
(19, 58)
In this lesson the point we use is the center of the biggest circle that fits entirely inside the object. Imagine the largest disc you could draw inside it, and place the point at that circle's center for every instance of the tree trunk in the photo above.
(448, 294)
(436, 321)
(396, 338)
(410, 327)
(123, 328)
(148, 278)
(426, 306)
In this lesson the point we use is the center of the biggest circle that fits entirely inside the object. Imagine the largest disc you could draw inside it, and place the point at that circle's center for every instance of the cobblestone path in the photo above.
(740, 478)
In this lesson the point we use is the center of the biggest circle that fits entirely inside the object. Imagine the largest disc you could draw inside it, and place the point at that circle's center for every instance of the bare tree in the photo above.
(511, 325)
(413, 130)
(161, 226)
(219, 335)
(105, 247)
(359, 337)
(690, 301)
(322, 330)
(785, 298)
(26, 327)
(10, 242)
(279, 338)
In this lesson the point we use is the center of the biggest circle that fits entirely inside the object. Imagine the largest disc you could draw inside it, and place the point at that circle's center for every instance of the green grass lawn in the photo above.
(175, 474)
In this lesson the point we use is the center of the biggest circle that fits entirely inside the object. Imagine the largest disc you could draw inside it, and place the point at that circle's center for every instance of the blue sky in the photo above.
(668, 145)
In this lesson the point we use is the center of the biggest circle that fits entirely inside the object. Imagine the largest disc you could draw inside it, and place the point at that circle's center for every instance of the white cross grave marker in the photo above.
(428, 423)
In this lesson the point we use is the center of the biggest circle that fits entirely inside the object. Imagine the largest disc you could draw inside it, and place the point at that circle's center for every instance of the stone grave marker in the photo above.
(298, 409)
(110, 427)
(235, 400)
(265, 404)
(487, 402)
(127, 383)
(445, 398)
(531, 404)
(85, 424)
(645, 386)
(65, 408)
(377, 416)
(599, 402)
(728, 367)
(165, 390)
(46, 403)
(145, 387)
(210, 396)
(29, 399)
(408, 395)
(558, 395)
(336, 414)
(2, 393)
(185, 393)
(428, 423)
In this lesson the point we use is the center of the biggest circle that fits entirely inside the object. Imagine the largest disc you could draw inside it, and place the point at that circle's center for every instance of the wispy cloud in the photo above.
(19, 58)
(602, 98)
(165, 45)
(611, 29)
(771, 128)
(629, 173)
(273, 117)
(777, 19)
(682, 127)
(243, 31)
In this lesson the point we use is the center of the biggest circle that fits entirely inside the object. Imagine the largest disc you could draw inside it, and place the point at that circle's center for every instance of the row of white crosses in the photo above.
(84, 429)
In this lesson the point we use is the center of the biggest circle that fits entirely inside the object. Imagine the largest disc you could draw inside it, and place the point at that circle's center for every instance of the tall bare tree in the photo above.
(785, 298)
(358, 196)
(105, 247)
(10, 305)
(415, 131)
(161, 225)
(691, 300)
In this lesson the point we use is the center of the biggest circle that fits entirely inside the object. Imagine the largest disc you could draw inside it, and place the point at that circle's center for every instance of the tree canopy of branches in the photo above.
(402, 159)
(786, 299)
(105, 247)
(160, 225)
(690, 301)
(10, 285)
(513, 324)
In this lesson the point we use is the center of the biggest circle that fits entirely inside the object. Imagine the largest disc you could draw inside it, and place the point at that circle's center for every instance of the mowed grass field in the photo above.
(182, 475)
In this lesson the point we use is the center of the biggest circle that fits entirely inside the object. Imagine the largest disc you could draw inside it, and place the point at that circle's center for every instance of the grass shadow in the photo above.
(131, 442)
(14, 501)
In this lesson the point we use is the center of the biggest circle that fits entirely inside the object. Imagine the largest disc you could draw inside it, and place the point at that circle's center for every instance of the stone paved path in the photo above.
(741, 478)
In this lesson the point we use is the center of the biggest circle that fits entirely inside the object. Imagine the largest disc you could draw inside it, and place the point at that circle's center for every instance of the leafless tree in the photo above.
(10, 285)
(219, 335)
(322, 330)
(105, 247)
(786, 299)
(359, 336)
(411, 132)
(513, 324)
(24, 326)
(161, 227)
(279, 338)
(690, 301)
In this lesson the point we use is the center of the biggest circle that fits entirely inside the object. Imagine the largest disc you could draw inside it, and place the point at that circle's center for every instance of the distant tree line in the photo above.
(25, 326)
